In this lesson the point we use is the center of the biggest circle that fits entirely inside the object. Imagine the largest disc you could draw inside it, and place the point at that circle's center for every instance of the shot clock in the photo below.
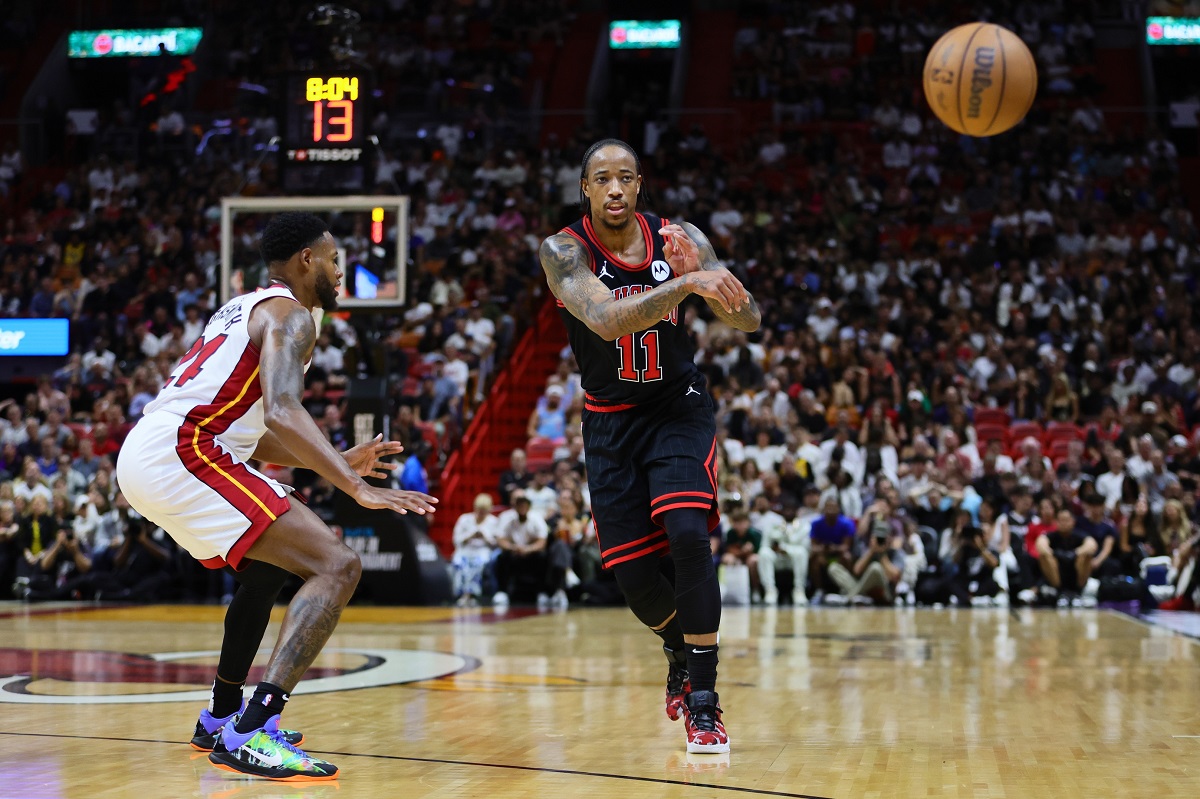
(325, 141)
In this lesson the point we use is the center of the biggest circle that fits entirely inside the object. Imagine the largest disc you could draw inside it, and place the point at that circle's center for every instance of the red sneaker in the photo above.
(1177, 603)
(678, 687)
(705, 732)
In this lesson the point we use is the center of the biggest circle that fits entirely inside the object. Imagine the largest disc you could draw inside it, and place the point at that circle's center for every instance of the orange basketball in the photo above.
(980, 79)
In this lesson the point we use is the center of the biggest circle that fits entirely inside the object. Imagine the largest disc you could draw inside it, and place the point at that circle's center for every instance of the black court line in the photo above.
(509, 766)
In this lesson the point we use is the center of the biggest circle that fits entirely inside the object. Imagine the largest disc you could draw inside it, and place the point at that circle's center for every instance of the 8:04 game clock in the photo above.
(325, 131)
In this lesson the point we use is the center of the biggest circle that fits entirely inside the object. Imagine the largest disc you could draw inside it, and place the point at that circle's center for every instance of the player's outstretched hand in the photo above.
(367, 459)
(680, 251)
(722, 286)
(394, 499)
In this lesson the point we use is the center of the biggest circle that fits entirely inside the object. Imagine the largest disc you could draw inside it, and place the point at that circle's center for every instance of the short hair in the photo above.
(587, 159)
(289, 233)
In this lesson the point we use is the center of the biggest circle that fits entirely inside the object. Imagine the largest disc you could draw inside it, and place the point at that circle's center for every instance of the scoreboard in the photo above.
(325, 131)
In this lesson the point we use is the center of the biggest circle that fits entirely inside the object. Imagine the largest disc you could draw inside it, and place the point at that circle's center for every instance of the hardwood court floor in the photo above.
(840, 703)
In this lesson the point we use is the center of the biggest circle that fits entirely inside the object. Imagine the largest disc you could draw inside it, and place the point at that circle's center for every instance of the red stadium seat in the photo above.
(1022, 430)
(1058, 448)
(1063, 431)
(539, 453)
(991, 416)
(987, 432)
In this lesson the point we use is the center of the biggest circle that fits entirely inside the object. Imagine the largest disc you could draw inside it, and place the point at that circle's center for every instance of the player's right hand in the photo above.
(393, 499)
(719, 285)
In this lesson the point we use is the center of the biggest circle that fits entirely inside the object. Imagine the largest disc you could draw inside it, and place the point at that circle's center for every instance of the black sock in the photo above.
(672, 635)
(268, 700)
(702, 666)
(226, 698)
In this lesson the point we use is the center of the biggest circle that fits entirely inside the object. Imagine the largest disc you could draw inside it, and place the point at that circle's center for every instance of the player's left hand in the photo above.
(680, 251)
(365, 459)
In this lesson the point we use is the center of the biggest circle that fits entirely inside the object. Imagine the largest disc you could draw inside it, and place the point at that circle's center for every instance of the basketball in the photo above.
(980, 79)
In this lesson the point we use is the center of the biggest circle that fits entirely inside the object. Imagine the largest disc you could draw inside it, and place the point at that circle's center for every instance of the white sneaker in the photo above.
(771, 597)
(559, 600)
(500, 598)
(835, 600)
(543, 601)
(1000, 600)
(1092, 588)
(981, 601)
(1027, 596)
(1087, 602)
(861, 600)
(799, 599)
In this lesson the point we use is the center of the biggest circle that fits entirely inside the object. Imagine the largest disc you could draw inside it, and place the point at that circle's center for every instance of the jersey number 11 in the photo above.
(628, 347)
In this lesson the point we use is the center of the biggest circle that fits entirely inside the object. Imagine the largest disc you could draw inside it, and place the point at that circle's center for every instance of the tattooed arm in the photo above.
(689, 251)
(565, 262)
(285, 334)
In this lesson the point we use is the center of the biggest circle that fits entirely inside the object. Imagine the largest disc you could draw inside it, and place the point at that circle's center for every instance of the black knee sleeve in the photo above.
(646, 590)
(247, 617)
(697, 593)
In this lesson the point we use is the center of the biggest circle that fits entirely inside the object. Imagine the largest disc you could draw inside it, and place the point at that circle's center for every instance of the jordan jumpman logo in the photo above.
(691, 390)
(604, 271)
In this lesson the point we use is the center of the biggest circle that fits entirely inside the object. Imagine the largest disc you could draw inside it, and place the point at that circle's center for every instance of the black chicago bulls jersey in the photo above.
(638, 368)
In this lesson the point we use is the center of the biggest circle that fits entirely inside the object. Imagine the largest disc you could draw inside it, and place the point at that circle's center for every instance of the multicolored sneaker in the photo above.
(705, 732)
(678, 685)
(208, 729)
(266, 753)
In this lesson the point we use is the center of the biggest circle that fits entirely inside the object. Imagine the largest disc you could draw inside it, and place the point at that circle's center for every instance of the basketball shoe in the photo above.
(266, 753)
(705, 732)
(208, 730)
(678, 685)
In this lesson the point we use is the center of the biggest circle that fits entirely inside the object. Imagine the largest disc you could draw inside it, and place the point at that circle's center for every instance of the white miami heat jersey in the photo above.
(215, 386)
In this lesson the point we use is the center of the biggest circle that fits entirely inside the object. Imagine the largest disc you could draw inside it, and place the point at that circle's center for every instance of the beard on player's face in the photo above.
(326, 293)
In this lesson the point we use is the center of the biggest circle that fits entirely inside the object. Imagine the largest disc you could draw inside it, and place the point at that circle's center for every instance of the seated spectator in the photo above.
(831, 536)
(32, 483)
(517, 476)
(786, 549)
(1065, 556)
(1139, 538)
(1095, 525)
(522, 567)
(878, 560)
(543, 498)
(39, 548)
(549, 419)
(474, 540)
(967, 569)
(741, 547)
(1111, 484)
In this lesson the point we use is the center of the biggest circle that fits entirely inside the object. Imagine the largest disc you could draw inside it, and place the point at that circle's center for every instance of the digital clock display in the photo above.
(325, 111)
(325, 126)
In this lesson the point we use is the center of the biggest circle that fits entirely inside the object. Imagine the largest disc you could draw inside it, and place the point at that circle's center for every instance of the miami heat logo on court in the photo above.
(71, 676)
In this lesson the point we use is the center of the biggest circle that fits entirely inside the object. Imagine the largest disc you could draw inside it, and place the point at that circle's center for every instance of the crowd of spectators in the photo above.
(975, 376)
(128, 249)
(975, 379)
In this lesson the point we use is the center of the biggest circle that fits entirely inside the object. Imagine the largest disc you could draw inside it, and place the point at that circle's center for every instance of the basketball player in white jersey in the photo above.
(235, 396)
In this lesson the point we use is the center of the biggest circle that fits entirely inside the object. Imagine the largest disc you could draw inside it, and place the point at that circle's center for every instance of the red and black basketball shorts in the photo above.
(645, 461)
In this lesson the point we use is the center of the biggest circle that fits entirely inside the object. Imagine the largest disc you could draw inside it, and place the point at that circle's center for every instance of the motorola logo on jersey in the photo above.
(661, 270)
(622, 292)
(98, 677)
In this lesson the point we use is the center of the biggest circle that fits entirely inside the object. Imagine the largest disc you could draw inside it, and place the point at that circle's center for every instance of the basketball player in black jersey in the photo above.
(648, 426)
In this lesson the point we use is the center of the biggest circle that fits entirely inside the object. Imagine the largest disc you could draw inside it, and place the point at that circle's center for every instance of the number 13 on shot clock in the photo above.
(333, 102)
(327, 116)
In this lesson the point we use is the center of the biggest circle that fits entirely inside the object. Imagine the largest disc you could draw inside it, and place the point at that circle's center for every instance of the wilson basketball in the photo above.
(980, 79)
